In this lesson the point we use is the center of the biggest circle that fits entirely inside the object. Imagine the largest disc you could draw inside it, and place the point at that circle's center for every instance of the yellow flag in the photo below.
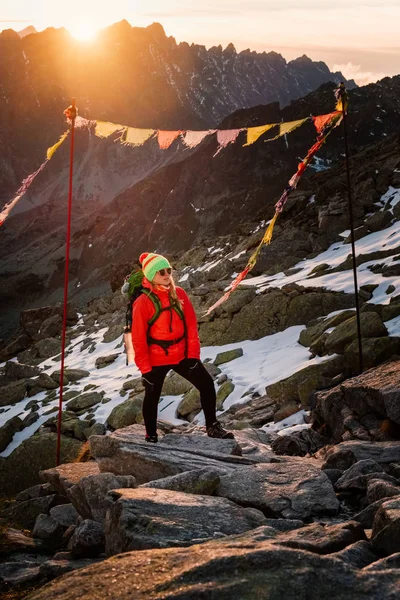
(52, 149)
(253, 133)
(137, 137)
(104, 128)
(288, 127)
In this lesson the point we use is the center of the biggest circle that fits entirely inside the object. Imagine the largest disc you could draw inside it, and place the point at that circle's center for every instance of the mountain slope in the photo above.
(137, 76)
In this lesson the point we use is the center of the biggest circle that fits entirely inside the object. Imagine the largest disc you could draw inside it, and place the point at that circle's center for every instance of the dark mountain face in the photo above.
(137, 76)
(174, 200)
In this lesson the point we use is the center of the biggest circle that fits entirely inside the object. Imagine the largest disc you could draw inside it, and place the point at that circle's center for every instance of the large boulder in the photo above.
(8, 430)
(88, 495)
(125, 452)
(126, 413)
(38, 452)
(248, 566)
(16, 370)
(151, 518)
(375, 350)
(66, 475)
(343, 455)
(13, 392)
(84, 401)
(359, 407)
(371, 327)
(300, 386)
(312, 332)
(386, 527)
(293, 490)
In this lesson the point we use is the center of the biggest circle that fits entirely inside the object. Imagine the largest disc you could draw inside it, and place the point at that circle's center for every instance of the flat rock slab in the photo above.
(292, 490)
(143, 518)
(125, 453)
(343, 455)
(239, 568)
(68, 474)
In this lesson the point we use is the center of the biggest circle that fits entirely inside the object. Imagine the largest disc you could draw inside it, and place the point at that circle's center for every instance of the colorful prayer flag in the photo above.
(226, 137)
(253, 133)
(322, 120)
(166, 138)
(104, 128)
(136, 137)
(285, 128)
(50, 151)
(194, 138)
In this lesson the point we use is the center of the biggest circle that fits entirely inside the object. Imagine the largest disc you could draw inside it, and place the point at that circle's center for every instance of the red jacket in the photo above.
(148, 356)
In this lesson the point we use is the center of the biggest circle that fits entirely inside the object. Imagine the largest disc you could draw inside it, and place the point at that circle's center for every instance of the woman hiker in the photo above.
(171, 341)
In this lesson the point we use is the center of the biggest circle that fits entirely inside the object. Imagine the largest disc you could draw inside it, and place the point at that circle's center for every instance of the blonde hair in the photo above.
(173, 294)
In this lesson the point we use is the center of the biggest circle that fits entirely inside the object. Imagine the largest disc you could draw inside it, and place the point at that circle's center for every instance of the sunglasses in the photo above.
(165, 271)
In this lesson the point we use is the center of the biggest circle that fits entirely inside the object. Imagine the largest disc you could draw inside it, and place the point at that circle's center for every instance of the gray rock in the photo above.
(366, 517)
(19, 573)
(386, 527)
(371, 327)
(104, 361)
(375, 351)
(343, 455)
(36, 491)
(16, 370)
(72, 375)
(88, 495)
(87, 540)
(274, 489)
(39, 452)
(64, 562)
(46, 382)
(134, 384)
(125, 452)
(126, 413)
(358, 555)
(84, 401)
(68, 474)
(15, 542)
(385, 564)
(190, 403)
(203, 481)
(48, 529)
(378, 489)
(25, 513)
(152, 518)
(48, 347)
(50, 327)
(228, 356)
(7, 431)
(95, 429)
(299, 443)
(12, 393)
(114, 332)
(322, 538)
(361, 467)
(65, 514)
(224, 391)
(246, 566)
(175, 385)
(284, 524)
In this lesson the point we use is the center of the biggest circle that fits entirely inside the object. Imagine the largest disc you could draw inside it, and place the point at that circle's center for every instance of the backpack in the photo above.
(133, 288)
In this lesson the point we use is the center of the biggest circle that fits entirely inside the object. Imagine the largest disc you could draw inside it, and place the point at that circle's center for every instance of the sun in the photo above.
(83, 30)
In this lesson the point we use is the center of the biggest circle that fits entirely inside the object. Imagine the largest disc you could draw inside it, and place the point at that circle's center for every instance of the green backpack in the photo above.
(133, 287)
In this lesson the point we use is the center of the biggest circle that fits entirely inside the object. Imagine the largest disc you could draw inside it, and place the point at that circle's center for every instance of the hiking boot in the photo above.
(217, 431)
(151, 438)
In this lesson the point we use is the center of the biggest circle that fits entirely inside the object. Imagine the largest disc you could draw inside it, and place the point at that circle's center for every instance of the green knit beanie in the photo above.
(151, 263)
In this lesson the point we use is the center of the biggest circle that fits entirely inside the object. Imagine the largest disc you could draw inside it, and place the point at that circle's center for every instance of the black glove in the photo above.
(192, 362)
(148, 378)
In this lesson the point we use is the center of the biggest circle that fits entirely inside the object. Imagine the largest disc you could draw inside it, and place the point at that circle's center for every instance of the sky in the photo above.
(358, 37)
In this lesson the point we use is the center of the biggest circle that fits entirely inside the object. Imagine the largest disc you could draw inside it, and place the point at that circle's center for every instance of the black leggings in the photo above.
(196, 373)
